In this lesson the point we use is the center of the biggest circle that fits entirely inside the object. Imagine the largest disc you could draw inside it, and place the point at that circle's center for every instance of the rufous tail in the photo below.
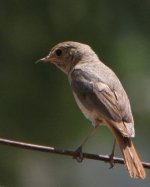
(131, 159)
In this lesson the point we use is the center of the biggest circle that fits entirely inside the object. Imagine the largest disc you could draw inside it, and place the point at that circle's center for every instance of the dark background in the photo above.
(36, 102)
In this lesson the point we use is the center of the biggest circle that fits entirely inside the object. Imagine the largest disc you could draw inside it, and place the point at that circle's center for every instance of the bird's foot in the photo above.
(111, 158)
(78, 154)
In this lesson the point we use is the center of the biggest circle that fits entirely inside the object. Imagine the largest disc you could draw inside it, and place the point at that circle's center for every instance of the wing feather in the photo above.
(109, 103)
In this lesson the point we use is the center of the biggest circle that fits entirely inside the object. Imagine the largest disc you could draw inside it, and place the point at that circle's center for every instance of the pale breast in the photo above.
(90, 115)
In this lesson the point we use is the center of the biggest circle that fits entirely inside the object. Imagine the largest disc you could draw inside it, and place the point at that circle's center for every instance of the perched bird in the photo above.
(100, 96)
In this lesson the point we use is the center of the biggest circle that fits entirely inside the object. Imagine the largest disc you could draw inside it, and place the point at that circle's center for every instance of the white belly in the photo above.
(91, 115)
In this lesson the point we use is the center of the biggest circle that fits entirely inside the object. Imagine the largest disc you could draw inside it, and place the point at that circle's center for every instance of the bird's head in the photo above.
(66, 55)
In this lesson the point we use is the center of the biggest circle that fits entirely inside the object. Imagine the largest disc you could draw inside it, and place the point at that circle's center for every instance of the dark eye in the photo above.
(58, 52)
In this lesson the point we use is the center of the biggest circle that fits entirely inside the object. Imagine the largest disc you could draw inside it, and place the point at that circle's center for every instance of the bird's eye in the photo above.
(58, 52)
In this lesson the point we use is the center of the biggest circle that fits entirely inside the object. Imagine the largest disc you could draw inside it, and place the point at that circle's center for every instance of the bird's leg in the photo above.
(78, 152)
(111, 156)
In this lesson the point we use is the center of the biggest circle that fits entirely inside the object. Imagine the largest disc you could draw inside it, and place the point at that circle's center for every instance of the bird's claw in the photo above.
(111, 158)
(78, 154)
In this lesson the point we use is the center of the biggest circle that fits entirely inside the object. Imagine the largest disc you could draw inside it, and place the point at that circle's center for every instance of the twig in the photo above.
(54, 150)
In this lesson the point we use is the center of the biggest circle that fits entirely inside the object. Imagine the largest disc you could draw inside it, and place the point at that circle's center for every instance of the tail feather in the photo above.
(131, 159)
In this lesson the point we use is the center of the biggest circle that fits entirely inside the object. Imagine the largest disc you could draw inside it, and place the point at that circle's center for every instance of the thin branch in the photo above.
(54, 150)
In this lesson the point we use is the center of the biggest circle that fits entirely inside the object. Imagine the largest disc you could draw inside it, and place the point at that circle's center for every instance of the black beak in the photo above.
(43, 60)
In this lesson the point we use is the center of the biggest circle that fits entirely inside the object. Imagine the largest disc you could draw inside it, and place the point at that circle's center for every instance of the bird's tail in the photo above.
(131, 159)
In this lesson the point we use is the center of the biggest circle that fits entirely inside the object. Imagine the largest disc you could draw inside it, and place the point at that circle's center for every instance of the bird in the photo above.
(100, 96)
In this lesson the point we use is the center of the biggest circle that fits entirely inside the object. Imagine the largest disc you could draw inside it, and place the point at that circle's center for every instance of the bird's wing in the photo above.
(113, 105)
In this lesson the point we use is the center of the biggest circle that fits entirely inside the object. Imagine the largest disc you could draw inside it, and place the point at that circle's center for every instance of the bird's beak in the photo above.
(43, 60)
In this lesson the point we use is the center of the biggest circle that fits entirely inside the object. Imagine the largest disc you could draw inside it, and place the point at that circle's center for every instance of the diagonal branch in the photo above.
(54, 150)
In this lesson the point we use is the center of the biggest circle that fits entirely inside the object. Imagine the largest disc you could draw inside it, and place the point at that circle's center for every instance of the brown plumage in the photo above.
(100, 96)
(131, 158)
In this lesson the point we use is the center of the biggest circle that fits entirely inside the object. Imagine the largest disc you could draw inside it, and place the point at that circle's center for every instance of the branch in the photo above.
(54, 150)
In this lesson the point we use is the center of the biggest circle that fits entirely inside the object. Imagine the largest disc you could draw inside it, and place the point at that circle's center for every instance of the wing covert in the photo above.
(107, 102)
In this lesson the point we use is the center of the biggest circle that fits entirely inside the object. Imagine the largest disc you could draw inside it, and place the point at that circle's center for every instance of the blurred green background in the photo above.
(36, 102)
